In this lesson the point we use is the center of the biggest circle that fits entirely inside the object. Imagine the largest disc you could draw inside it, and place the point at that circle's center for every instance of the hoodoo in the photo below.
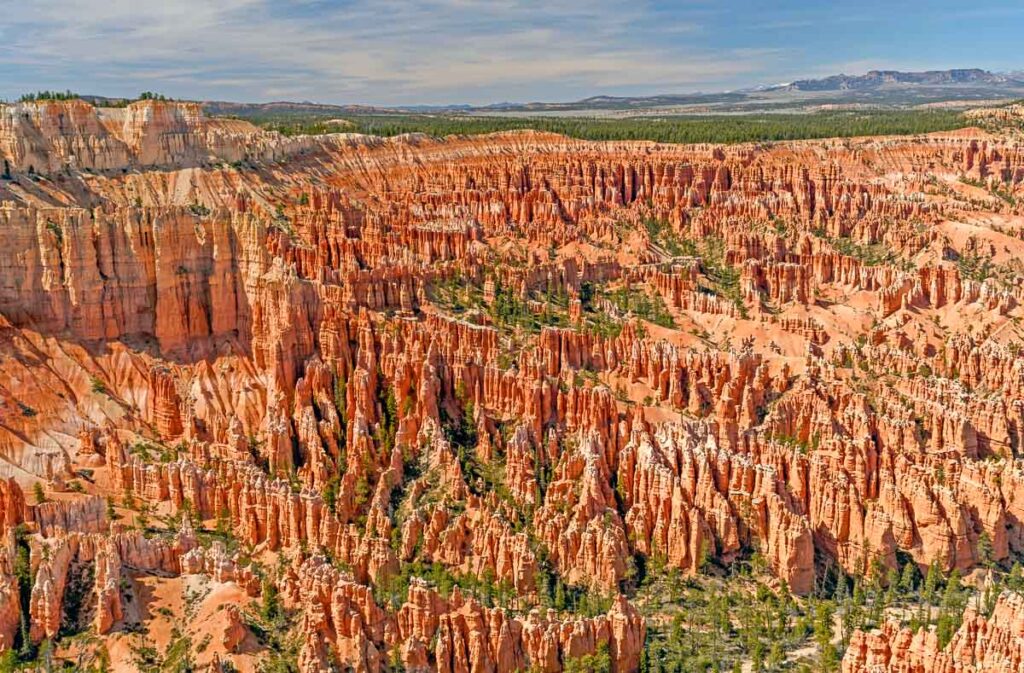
(506, 402)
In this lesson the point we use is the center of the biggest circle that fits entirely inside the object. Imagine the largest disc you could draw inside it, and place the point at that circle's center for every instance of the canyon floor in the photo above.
(510, 402)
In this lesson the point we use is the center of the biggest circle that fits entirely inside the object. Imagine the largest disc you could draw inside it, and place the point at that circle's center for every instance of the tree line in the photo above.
(669, 129)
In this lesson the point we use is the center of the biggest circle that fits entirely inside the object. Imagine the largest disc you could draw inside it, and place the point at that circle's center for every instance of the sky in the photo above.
(403, 52)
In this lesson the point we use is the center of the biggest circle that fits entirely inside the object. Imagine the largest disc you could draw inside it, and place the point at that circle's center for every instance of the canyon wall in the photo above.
(540, 361)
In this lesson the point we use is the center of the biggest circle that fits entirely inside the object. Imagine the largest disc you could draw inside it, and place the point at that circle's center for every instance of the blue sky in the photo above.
(465, 51)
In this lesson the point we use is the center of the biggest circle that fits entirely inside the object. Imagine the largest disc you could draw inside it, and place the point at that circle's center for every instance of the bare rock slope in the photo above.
(407, 392)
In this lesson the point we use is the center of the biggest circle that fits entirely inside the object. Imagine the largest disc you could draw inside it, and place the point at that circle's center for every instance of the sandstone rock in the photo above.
(980, 644)
(235, 631)
(317, 354)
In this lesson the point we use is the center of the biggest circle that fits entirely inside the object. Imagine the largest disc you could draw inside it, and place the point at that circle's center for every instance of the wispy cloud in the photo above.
(447, 51)
(384, 51)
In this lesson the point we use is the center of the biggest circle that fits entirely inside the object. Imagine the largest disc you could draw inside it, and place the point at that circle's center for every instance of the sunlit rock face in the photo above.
(517, 362)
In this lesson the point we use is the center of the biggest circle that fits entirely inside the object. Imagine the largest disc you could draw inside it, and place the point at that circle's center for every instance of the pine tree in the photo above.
(222, 525)
(1015, 580)
(142, 518)
(103, 660)
(188, 512)
(989, 600)
(27, 651)
(951, 597)
(888, 597)
(757, 657)
(985, 552)
(270, 606)
(931, 583)
(38, 492)
(645, 662)
(827, 657)
(776, 656)
(559, 600)
(331, 492)
(908, 578)
(46, 655)
(944, 629)
(859, 598)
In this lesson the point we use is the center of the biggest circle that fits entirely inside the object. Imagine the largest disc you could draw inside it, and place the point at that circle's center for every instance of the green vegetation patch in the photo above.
(669, 129)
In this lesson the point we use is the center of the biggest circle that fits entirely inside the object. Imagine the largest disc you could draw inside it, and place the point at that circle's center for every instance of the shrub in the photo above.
(97, 385)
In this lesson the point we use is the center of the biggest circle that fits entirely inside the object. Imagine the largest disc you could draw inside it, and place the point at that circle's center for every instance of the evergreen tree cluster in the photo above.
(47, 95)
(740, 128)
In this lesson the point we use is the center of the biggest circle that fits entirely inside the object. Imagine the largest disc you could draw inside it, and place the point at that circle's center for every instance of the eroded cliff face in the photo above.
(514, 365)
(982, 644)
(55, 136)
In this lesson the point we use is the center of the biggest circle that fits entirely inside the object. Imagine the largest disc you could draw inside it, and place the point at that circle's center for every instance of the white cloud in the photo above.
(386, 51)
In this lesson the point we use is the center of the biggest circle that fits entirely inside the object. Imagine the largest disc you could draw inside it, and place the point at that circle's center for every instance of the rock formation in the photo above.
(982, 644)
(412, 386)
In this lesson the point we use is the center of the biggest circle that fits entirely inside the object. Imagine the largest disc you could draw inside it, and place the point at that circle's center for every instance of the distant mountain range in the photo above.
(877, 88)
(883, 88)
(877, 79)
